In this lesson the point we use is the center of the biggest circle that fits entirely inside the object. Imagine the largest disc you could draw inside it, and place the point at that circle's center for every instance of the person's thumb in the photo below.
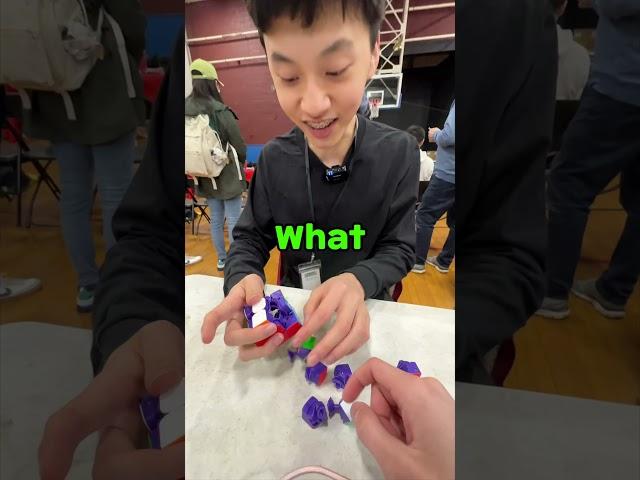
(253, 289)
(162, 352)
(373, 435)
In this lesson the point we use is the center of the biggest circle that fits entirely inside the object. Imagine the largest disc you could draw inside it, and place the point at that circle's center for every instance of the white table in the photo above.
(503, 433)
(42, 367)
(244, 419)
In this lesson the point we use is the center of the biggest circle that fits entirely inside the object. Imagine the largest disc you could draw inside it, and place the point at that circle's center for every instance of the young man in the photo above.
(439, 198)
(601, 142)
(320, 55)
(426, 164)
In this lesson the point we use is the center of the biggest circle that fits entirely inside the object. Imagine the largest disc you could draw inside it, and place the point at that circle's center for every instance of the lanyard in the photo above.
(306, 166)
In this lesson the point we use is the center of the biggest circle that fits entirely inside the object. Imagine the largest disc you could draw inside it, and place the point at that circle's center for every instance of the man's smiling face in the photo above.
(320, 72)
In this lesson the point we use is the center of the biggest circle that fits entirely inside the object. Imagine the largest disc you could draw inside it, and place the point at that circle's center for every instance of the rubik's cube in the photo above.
(409, 367)
(275, 309)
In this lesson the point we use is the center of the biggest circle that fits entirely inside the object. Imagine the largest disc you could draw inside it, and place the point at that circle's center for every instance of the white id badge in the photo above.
(310, 274)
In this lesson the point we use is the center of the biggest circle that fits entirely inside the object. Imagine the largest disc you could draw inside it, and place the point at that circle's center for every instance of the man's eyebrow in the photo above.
(280, 58)
(341, 44)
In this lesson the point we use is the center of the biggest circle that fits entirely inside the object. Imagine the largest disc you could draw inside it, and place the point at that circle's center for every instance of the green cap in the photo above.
(205, 69)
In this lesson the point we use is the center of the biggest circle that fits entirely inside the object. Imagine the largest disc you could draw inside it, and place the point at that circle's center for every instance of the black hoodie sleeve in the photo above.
(506, 69)
(142, 279)
(395, 247)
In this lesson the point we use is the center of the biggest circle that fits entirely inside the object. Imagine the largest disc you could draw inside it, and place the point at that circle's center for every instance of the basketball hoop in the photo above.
(374, 105)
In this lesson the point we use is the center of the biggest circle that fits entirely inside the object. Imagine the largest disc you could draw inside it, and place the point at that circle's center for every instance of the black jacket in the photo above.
(506, 72)
(380, 194)
(142, 279)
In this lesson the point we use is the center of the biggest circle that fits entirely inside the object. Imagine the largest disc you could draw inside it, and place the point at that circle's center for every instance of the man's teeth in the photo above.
(319, 126)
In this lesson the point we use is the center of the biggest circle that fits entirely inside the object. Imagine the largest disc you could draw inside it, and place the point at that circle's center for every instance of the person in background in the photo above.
(573, 61)
(225, 201)
(439, 198)
(100, 144)
(426, 164)
(601, 142)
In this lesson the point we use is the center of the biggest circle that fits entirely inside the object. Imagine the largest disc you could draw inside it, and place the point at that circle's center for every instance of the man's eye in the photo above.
(289, 80)
(338, 72)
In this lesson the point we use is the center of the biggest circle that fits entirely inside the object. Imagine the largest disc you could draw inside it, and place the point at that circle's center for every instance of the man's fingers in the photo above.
(236, 336)
(317, 319)
(161, 346)
(376, 371)
(251, 353)
(254, 289)
(357, 336)
(230, 306)
(118, 386)
(374, 435)
(335, 335)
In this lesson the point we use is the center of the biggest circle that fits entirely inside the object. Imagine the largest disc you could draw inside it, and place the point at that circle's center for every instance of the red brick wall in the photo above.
(248, 88)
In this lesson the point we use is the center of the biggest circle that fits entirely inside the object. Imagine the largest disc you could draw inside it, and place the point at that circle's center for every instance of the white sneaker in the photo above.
(15, 287)
(190, 260)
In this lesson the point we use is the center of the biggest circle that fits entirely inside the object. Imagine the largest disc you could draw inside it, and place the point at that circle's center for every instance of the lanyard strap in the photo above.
(307, 169)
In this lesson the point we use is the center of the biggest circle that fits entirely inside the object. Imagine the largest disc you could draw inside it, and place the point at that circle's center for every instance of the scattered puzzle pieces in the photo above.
(341, 374)
(314, 413)
(409, 367)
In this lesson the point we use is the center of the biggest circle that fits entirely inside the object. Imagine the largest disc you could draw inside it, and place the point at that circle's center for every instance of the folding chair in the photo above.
(191, 201)
(20, 153)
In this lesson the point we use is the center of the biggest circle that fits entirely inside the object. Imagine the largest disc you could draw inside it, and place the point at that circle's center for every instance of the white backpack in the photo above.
(50, 45)
(204, 155)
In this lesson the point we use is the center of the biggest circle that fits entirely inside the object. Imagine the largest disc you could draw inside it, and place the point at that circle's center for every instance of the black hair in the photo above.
(205, 88)
(418, 132)
(264, 12)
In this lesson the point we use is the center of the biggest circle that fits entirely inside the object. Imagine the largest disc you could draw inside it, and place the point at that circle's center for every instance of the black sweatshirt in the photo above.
(380, 194)
(506, 72)
(142, 279)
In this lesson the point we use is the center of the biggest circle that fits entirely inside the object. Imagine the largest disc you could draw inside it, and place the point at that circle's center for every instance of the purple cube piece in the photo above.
(409, 367)
(303, 353)
(314, 413)
(332, 407)
(292, 355)
(248, 314)
(343, 415)
(316, 374)
(341, 375)
(151, 416)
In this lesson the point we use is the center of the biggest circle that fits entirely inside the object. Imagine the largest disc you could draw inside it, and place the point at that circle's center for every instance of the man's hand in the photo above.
(247, 291)
(344, 296)
(409, 427)
(432, 134)
(150, 362)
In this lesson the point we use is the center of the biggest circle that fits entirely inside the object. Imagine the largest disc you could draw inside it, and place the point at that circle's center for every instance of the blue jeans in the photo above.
(438, 198)
(219, 210)
(601, 142)
(112, 166)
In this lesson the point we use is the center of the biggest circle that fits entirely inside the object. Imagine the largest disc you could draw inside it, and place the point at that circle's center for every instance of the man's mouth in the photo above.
(321, 125)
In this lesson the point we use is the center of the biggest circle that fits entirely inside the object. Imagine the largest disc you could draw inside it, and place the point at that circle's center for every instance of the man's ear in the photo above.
(375, 58)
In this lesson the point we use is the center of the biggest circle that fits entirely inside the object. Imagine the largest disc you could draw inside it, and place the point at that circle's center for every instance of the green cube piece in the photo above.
(309, 343)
